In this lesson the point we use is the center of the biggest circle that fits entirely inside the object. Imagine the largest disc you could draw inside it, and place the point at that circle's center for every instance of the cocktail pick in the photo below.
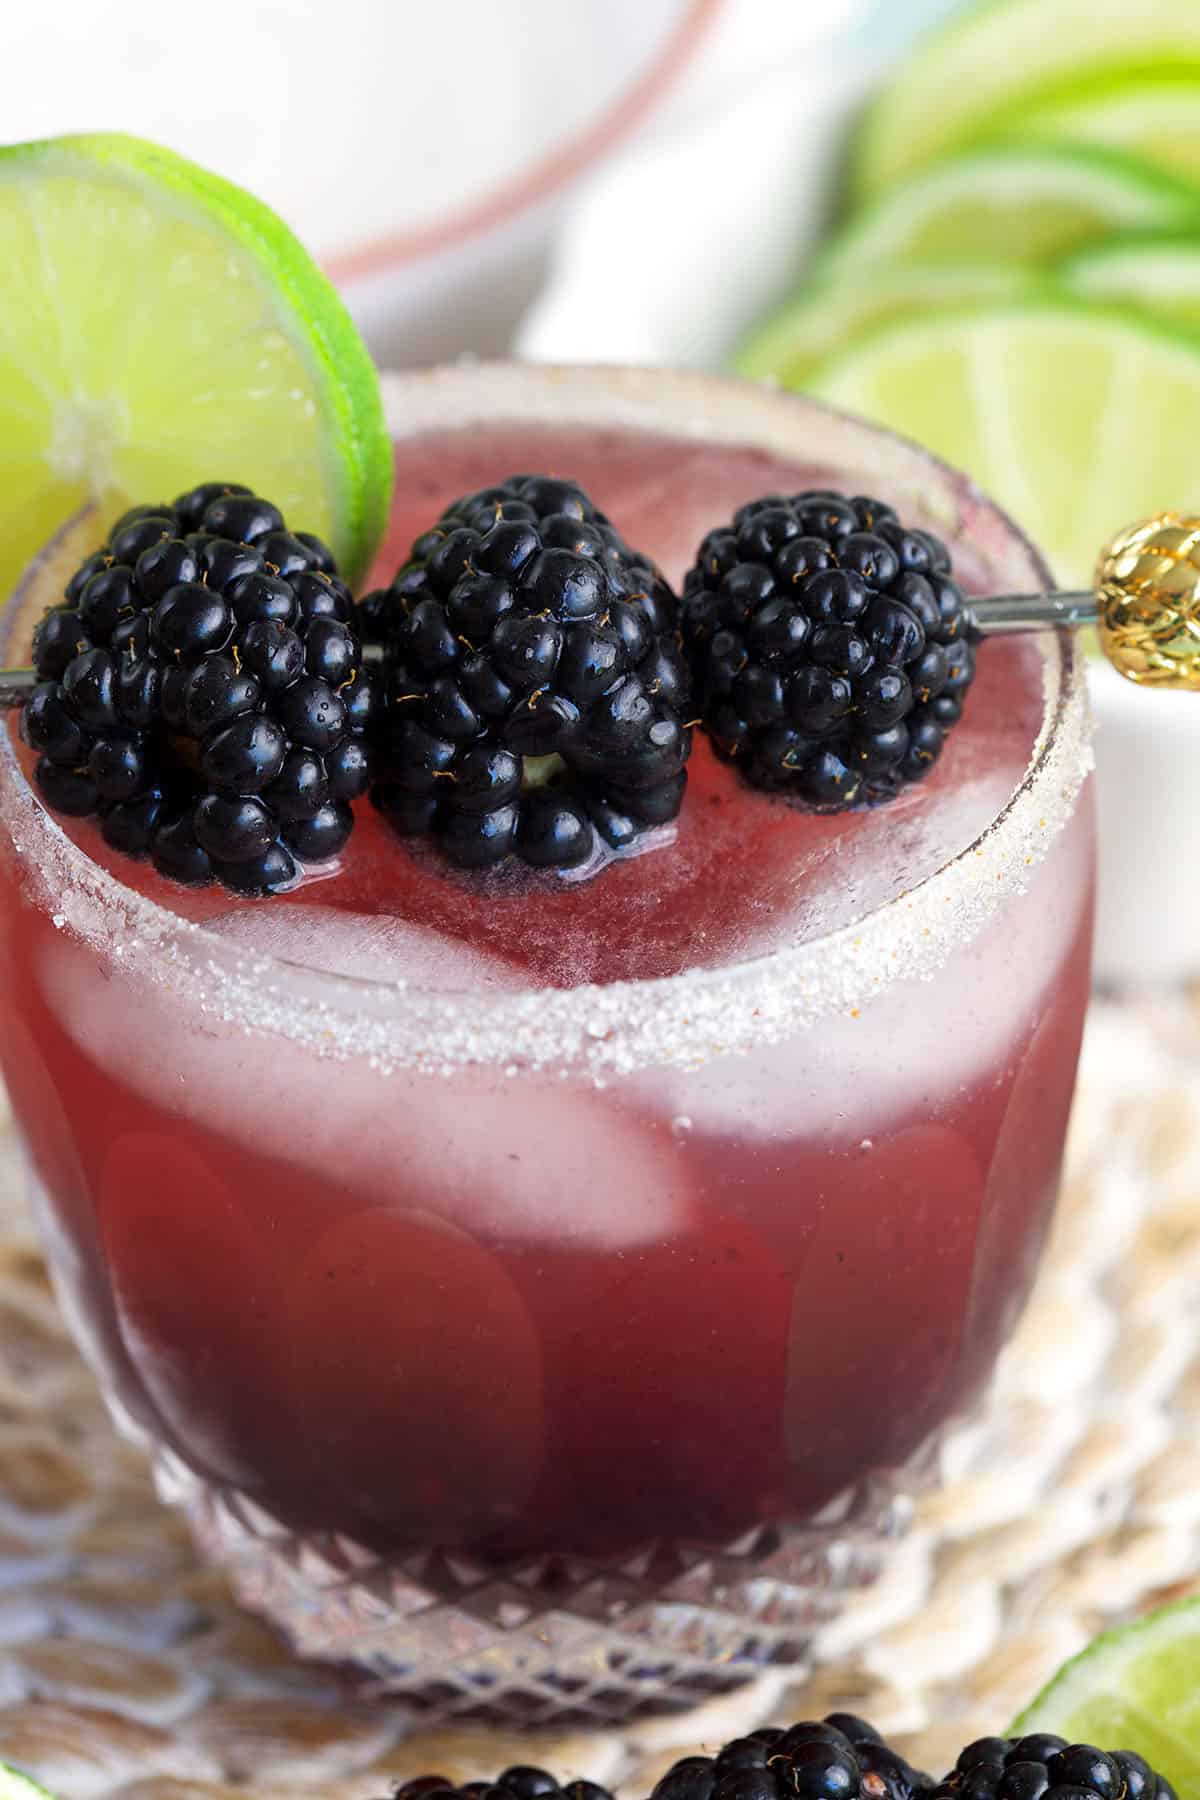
(1145, 606)
(16, 685)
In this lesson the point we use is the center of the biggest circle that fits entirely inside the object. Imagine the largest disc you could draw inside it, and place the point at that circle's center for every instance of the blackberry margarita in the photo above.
(516, 1217)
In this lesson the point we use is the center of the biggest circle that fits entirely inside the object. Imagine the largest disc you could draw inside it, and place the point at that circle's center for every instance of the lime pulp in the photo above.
(966, 81)
(1076, 418)
(1135, 1688)
(159, 327)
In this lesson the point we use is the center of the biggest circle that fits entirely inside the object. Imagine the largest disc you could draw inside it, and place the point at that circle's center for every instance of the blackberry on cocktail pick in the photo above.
(831, 650)
(535, 692)
(837, 1758)
(1043, 1767)
(203, 694)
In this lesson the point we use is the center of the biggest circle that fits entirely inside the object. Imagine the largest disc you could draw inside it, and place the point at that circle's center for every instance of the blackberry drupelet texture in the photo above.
(535, 692)
(518, 1783)
(837, 1758)
(1043, 1767)
(203, 694)
(842, 1757)
(830, 648)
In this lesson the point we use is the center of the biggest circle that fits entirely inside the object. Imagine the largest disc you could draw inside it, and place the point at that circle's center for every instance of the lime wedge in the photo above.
(15, 1786)
(1161, 274)
(160, 327)
(1136, 1688)
(1156, 118)
(1013, 202)
(1077, 419)
(960, 83)
(830, 313)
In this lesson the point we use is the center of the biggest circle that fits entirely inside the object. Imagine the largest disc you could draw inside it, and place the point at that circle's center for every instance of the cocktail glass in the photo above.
(550, 1348)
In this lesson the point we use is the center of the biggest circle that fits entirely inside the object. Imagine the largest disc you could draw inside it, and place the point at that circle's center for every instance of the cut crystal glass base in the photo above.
(556, 1637)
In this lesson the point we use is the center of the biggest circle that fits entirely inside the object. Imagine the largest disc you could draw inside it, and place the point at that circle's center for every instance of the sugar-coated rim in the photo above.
(679, 1020)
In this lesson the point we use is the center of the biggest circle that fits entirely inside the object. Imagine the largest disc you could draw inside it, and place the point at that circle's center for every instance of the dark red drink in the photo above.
(516, 1215)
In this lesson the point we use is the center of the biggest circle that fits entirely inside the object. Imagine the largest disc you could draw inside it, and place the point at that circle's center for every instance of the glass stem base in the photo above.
(552, 1638)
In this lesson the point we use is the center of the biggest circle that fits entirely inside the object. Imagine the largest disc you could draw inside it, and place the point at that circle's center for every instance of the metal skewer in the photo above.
(1004, 613)
(997, 616)
(16, 685)
(1145, 605)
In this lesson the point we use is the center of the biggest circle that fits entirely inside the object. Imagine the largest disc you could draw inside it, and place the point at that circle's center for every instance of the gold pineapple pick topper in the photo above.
(1148, 602)
(1145, 604)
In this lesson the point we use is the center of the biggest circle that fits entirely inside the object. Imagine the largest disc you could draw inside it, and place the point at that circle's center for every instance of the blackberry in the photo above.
(1044, 1767)
(535, 694)
(203, 693)
(830, 649)
(837, 1758)
(520, 1783)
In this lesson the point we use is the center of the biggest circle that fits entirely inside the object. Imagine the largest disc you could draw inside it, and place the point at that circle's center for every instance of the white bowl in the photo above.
(418, 151)
(462, 280)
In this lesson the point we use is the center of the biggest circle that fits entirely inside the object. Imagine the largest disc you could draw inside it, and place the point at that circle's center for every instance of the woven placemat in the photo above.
(1070, 1498)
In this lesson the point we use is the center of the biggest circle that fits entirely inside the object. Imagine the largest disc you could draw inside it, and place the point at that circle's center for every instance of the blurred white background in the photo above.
(459, 164)
(356, 118)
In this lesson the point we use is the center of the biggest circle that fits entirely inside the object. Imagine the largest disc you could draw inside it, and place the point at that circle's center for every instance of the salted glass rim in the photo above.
(682, 1019)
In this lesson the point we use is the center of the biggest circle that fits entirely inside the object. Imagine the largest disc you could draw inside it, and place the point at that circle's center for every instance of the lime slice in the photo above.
(15, 1786)
(1156, 118)
(160, 327)
(830, 313)
(1077, 419)
(1136, 1688)
(1161, 274)
(960, 83)
(1017, 202)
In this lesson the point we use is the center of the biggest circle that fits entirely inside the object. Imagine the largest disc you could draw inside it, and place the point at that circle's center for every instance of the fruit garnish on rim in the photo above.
(201, 690)
(161, 325)
(829, 645)
(535, 696)
(200, 684)
(832, 651)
